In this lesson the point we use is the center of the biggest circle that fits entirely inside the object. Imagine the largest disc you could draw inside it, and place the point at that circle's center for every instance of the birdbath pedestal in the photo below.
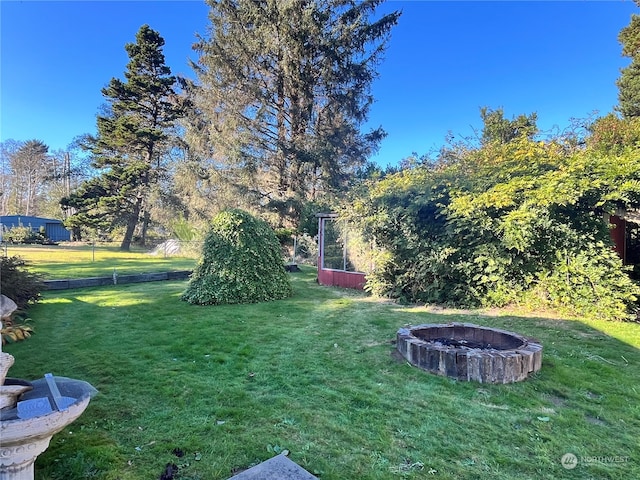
(32, 413)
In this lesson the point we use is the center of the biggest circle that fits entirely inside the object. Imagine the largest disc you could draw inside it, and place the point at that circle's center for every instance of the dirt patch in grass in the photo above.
(595, 420)
(556, 401)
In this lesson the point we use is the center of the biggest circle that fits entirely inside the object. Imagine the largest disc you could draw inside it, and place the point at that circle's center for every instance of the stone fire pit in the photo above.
(470, 352)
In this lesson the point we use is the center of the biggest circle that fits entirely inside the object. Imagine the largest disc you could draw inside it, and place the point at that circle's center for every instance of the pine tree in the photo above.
(132, 137)
(629, 81)
(284, 87)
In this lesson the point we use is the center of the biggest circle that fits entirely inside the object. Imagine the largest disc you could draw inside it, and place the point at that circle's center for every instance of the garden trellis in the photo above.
(343, 257)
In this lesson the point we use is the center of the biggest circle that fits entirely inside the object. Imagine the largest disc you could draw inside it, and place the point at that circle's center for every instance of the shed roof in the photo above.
(25, 219)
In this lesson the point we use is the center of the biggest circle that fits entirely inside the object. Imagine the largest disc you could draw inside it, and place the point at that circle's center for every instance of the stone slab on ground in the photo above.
(276, 468)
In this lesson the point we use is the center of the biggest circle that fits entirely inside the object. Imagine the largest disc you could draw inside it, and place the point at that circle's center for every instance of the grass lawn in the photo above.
(69, 260)
(230, 386)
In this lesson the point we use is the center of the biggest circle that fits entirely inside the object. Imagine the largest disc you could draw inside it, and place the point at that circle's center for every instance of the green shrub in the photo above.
(22, 234)
(241, 263)
(306, 249)
(589, 282)
(183, 230)
(516, 223)
(17, 283)
(285, 236)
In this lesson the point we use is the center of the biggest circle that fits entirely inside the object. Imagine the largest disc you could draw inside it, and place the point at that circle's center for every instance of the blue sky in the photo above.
(445, 60)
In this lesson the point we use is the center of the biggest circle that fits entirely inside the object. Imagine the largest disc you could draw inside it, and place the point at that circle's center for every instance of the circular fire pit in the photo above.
(470, 352)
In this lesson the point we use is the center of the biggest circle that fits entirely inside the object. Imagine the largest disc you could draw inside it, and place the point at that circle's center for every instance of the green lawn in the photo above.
(315, 374)
(81, 261)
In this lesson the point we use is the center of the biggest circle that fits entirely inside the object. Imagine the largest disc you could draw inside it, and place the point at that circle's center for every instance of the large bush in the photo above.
(241, 263)
(516, 222)
(18, 283)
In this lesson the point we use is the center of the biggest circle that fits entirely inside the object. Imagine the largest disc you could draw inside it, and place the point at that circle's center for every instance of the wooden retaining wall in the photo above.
(119, 279)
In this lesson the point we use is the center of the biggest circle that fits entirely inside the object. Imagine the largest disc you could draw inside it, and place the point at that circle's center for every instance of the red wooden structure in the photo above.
(619, 236)
(334, 277)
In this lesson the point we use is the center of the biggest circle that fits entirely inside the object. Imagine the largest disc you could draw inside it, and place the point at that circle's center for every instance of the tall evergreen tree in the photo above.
(284, 87)
(132, 137)
(629, 81)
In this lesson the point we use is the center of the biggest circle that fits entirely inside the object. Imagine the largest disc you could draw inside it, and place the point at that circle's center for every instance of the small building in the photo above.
(53, 229)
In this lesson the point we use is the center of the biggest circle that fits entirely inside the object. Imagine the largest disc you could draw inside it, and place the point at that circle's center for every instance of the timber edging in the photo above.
(116, 280)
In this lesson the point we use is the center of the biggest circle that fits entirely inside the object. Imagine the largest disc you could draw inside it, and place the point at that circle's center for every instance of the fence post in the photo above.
(295, 247)
(344, 247)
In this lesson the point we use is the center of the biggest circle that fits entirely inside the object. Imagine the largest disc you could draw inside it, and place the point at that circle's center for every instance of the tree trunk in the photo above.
(27, 211)
(76, 234)
(132, 222)
(146, 219)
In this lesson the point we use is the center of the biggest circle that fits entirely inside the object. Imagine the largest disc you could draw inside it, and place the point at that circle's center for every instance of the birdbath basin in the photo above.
(32, 415)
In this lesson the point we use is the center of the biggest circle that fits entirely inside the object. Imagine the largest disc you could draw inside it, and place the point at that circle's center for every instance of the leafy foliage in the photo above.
(241, 263)
(22, 234)
(499, 129)
(15, 331)
(18, 283)
(509, 222)
(183, 230)
(306, 249)
(613, 134)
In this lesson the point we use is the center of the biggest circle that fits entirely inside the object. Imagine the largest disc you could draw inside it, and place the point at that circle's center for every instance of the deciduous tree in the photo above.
(28, 169)
(521, 221)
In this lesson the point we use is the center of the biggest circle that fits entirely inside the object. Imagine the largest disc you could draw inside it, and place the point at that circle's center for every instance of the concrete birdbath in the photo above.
(31, 413)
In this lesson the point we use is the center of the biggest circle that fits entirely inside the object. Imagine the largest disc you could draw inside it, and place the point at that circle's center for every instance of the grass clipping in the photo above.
(241, 263)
